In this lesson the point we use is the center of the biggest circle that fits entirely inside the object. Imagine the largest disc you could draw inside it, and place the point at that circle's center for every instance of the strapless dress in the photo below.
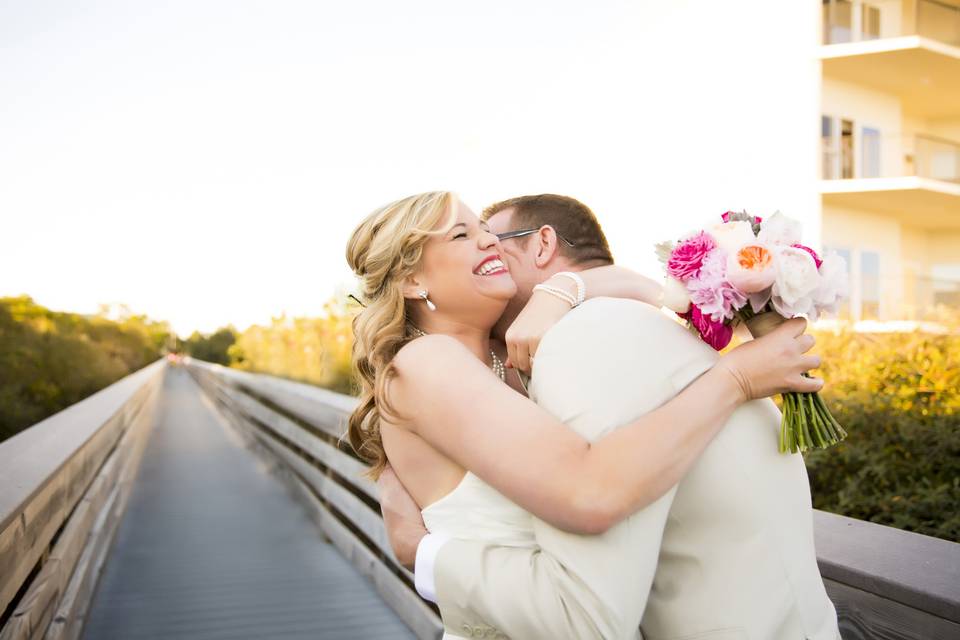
(476, 511)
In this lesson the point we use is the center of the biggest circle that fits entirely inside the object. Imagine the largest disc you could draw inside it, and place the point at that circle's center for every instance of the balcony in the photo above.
(907, 48)
(914, 178)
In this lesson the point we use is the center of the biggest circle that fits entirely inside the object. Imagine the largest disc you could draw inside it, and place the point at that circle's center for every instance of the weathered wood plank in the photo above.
(424, 622)
(353, 509)
(919, 571)
(76, 492)
(347, 466)
(867, 616)
(45, 469)
(69, 617)
(321, 408)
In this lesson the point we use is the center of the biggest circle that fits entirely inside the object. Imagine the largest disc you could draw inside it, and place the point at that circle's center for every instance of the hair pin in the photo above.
(357, 300)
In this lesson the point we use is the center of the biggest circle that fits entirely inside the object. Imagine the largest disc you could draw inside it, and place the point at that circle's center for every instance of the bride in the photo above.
(460, 433)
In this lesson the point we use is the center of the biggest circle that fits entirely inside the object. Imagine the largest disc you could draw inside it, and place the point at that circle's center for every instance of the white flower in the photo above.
(779, 229)
(675, 295)
(796, 284)
(834, 283)
(730, 236)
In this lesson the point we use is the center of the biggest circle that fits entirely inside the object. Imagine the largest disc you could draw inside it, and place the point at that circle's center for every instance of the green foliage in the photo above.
(212, 348)
(898, 396)
(314, 350)
(50, 359)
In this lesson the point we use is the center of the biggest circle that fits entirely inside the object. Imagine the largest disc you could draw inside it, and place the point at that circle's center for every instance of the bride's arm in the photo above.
(539, 463)
(543, 310)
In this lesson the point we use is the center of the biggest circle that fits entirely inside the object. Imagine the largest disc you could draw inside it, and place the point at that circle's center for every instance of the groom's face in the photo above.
(520, 256)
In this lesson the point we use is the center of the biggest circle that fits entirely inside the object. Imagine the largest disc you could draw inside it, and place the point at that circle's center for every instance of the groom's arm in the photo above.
(604, 365)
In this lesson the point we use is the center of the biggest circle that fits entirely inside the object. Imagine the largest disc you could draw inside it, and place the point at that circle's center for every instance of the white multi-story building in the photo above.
(890, 127)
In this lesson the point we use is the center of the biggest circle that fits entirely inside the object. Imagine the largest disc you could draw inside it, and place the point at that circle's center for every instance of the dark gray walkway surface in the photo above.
(212, 546)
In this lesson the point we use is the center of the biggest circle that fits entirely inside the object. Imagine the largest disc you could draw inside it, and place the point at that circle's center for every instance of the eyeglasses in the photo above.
(525, 232)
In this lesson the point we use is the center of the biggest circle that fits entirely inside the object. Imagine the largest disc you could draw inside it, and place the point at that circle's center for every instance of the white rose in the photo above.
(779, 229)
(730, 236)
(675, 295)
(796, 284)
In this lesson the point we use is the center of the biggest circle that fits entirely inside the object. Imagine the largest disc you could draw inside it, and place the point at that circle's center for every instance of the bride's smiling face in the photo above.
(463, 271)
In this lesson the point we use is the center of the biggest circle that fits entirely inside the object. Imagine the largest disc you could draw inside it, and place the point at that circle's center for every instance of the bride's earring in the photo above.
(430, 305)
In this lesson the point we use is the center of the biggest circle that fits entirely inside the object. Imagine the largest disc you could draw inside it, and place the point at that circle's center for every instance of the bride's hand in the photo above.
(542, 311)
(774, 363)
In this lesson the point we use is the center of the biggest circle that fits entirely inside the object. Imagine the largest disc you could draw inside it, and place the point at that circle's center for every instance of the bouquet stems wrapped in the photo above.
(806, 422)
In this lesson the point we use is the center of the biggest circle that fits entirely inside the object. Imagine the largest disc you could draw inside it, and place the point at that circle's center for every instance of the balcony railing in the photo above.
(879, 156)
(855, 21)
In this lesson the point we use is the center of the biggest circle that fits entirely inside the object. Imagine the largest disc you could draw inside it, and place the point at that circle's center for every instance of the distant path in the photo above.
(212, 546)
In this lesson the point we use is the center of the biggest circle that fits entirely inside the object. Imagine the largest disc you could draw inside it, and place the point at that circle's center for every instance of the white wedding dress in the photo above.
(476, 511)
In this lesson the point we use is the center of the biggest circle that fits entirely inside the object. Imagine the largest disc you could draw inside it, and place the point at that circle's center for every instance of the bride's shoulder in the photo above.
(431, 348)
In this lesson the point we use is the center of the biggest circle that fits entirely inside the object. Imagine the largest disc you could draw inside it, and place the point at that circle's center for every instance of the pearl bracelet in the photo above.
(581, 287)
(557, 292)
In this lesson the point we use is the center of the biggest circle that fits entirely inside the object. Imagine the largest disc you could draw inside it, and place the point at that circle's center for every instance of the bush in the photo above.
(313, 350)
(897, 396)
(50, 360)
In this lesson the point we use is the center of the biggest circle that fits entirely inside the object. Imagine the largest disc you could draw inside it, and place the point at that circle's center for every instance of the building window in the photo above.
(837, 21)
(869, 22)
(870, 139)
(869, 285)
(828, 145)
(846, 149)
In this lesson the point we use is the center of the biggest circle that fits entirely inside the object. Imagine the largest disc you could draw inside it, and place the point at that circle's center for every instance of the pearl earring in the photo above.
(430, 305)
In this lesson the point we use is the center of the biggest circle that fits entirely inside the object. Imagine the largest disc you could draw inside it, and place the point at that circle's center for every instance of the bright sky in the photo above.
(205, 161)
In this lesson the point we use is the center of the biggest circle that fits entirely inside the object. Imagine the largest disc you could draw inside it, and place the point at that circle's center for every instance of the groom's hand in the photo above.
(401, 516)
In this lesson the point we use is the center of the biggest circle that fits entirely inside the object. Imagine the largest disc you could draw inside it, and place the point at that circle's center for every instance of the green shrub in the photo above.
(50, 360)
(897, 396)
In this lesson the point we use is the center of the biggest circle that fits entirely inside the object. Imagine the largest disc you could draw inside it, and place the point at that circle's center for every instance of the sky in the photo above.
(204, 162)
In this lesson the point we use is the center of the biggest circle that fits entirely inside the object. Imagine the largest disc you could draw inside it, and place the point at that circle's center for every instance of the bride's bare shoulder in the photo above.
(433, 348)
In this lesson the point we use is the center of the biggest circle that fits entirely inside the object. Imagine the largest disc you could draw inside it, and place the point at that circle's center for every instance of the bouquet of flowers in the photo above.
(755, 271)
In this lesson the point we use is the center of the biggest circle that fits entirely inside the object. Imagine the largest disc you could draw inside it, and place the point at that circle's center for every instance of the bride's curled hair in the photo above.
(383, 251)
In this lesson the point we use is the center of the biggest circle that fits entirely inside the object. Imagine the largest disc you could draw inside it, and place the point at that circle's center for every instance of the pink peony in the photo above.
(813, 253)
(688, 255)
(751, 269)
(712, 292)
(715, 334)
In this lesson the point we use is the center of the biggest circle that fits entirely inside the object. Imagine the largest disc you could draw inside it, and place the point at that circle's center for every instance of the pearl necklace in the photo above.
(498, 369)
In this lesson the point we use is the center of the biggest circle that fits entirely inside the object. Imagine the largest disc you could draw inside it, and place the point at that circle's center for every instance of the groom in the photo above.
(726, 554)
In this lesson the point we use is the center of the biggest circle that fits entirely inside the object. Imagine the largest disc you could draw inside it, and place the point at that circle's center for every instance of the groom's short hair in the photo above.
(569, 217)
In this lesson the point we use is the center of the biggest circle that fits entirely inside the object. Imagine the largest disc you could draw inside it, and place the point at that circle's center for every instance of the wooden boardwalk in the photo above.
(213, 546)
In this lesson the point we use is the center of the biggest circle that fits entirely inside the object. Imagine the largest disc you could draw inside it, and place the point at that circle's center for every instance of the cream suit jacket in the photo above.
(726, 554)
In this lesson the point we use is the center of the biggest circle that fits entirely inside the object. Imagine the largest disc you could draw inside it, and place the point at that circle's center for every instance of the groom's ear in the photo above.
(546, 246)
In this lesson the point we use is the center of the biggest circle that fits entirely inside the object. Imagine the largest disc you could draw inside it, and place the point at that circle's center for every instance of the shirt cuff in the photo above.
(427, 552)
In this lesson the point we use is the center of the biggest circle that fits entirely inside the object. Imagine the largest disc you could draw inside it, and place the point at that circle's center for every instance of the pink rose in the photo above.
(687, 256)
(711, 292)
(715, 334)
(813, 253)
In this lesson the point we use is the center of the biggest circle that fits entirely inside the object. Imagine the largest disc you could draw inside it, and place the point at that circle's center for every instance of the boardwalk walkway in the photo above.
(212, 546)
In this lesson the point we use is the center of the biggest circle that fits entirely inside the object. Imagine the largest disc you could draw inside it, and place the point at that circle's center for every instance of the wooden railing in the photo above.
(886, 583)
(64, 483)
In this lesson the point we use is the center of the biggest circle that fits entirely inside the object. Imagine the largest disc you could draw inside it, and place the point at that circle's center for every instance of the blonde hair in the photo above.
(385, 249)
